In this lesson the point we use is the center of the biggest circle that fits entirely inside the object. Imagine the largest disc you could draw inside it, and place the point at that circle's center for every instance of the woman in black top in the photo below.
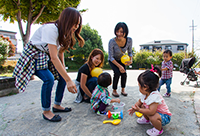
(85, 83)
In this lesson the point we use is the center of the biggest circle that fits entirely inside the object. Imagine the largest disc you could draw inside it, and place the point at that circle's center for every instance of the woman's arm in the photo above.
(130, 54)
(61, 57)
(60, 68)
(111, 54)
(83, 81)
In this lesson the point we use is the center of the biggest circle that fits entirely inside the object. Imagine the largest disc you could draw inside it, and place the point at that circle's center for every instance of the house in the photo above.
(11, 36)
(174, 46)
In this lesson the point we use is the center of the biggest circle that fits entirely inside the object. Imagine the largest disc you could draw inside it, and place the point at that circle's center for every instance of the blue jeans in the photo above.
(165, 118)
(91, 84)
(167, 82)
(48, 81)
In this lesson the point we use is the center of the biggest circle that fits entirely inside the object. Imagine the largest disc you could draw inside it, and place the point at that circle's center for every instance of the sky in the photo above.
(147, 20)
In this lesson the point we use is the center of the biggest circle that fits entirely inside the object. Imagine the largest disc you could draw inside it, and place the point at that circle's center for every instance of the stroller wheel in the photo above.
(182, 83)
(187, 82)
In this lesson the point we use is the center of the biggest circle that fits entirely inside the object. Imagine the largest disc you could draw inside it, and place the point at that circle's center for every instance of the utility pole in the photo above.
(193, 35)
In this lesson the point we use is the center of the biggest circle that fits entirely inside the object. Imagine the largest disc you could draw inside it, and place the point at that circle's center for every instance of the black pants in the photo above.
(117, 74)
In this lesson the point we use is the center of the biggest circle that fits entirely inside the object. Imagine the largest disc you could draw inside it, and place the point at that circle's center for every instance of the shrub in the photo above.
(7, 49)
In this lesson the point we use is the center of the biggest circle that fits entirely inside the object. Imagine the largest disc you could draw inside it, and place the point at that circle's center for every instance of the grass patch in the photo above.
(7, 74)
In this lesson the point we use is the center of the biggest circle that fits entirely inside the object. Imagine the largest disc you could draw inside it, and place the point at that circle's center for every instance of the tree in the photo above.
(92, 41)
(141, 57)
(7, 49)
(33, 11)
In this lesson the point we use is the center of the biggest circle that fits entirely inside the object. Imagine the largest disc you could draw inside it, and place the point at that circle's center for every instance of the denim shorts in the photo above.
(165, 118)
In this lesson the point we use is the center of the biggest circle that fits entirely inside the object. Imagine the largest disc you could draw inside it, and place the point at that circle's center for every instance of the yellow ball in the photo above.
(125, 58)
(96, 72)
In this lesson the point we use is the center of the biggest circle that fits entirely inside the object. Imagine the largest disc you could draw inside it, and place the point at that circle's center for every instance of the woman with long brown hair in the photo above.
(44, 57)
(85, 82)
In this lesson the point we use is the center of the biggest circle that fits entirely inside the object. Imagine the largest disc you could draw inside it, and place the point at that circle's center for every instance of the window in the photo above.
(146, 47)
(180, 47)
(157, 48)
(168, 47)
(157, 41)
(5, 35)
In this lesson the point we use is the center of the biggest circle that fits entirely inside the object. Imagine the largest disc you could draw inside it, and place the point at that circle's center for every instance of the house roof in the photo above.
(163, 42)
(7, 31)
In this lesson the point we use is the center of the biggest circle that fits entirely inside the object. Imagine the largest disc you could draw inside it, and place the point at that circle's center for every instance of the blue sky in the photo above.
(147, 20)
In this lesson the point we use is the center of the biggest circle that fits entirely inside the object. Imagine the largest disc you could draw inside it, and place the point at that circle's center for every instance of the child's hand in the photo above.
(136, 107)
(131, 111)
(117, 100)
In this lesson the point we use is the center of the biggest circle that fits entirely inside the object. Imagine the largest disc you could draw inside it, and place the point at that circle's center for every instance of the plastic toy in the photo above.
(114, 122)
(117, 107)
(115, 115)
(96, 72)
(125, 58)
(138, 114)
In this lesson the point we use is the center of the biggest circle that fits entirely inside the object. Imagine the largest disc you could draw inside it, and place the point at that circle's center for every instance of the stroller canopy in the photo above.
(186, 64)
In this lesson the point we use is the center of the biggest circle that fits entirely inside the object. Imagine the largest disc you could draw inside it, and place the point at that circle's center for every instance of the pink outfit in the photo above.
(156, 97)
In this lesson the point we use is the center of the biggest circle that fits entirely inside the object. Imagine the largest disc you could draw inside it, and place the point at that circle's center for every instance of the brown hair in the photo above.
(67, 19)
(94, 53)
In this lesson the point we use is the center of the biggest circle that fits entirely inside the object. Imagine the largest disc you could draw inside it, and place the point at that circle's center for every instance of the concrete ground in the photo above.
(21, 114)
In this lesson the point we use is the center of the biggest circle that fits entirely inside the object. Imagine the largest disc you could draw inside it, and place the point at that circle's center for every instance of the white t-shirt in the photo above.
(155, 97)
(46, 34)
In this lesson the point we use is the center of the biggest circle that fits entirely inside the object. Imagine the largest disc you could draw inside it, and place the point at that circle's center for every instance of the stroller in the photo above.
(186, 68)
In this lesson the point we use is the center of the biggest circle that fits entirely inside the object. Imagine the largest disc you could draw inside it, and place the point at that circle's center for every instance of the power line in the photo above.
(193, 35)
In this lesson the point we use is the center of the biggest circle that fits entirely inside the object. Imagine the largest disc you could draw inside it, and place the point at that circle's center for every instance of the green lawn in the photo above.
(6, 74)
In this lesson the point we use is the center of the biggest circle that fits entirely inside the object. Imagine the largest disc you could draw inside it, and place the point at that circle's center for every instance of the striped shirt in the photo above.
(99, 94)
(166, 74)
(25, 66)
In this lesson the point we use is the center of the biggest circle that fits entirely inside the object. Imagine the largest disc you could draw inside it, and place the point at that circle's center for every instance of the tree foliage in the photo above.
(144, 58)
(33, 11)
(7, 49)
(92, 41)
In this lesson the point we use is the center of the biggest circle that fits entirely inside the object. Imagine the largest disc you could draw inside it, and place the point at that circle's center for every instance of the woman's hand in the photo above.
(71, 87)
(121, 69)
(127, 63)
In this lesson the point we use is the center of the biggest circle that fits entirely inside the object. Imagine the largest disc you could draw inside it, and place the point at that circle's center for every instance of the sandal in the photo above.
(124, 94)
(115, 95)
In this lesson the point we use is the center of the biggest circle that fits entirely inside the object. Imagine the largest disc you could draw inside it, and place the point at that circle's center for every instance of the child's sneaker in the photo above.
(101, 113)
(154, 132)
(143, 120)
(167, 95)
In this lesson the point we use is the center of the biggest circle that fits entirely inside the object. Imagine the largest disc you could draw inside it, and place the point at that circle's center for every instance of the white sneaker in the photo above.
(154, 132)
(143, 120)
